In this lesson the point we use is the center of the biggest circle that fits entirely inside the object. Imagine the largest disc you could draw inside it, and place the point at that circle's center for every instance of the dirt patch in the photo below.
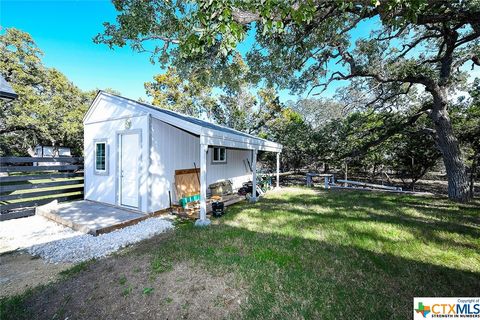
(20, 271)
(439, 187)
(125, 287)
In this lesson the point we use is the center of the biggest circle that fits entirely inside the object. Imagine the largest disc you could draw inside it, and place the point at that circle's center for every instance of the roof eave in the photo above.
(8, 96)
(220, 138)
(215, 136)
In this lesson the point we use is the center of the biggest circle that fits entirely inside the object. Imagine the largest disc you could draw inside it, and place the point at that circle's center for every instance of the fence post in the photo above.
(309, 180)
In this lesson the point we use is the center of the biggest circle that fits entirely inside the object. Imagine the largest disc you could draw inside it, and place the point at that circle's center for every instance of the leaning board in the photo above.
(186, 182)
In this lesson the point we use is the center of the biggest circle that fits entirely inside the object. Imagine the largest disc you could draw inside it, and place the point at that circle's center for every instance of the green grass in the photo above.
(147, 291)
(14, 307)
(315, 254)
(127, 290)
(79, 267)
(304, 253)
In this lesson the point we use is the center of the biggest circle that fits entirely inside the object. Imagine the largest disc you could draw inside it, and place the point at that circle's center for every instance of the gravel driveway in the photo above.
(56, 243)
(85, 246)
(27, 245)
(25, 232)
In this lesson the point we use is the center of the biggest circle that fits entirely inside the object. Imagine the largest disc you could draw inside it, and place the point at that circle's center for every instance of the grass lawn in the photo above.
(303, 253)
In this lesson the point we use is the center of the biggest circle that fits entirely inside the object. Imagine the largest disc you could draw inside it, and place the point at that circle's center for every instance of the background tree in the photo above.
(237, 104)
(297, 44)
(242, 110)
(410, 153)
(170, 91)
(49, 109)
(289, 129)
(317, 112)
(235, 109)
(413, 154)
(466, 120)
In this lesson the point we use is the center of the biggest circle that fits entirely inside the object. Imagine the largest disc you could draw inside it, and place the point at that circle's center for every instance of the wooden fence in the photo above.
(27, 182)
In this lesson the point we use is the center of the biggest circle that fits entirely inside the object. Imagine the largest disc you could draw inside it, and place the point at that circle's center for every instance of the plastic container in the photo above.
(218, 209)
(221, 188)
(183, 202)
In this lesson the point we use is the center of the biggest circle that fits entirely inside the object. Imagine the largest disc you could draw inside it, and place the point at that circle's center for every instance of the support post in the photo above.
(203, 221)
(254, 176)
(346, 173)
(278, 170)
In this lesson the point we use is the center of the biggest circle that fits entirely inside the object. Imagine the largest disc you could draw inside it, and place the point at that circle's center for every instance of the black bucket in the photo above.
(218, 209)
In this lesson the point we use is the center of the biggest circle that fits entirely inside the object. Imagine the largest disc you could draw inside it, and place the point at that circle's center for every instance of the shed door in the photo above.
(129, 169)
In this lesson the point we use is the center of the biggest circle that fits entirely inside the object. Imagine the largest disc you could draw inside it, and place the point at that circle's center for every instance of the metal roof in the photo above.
(6, 91)
(209, 133)
(196, 121)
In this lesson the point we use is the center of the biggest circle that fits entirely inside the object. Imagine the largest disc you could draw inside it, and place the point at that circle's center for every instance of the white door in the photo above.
(129, 169)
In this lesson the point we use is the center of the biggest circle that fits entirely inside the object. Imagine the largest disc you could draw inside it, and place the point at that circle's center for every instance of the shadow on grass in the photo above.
(291, 276)
(380, 208)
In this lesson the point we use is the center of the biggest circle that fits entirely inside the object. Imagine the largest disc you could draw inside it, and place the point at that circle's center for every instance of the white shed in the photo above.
(132, 150)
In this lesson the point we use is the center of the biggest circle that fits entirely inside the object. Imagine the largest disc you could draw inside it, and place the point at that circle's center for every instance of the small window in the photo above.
(219, 155)
(101, 157)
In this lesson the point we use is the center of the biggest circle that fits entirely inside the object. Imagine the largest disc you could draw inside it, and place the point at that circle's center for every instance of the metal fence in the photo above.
(27, 182)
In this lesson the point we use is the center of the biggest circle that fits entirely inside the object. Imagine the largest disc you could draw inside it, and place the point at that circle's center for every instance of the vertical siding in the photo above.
(173, 149)
(103, 188)
(235, 169)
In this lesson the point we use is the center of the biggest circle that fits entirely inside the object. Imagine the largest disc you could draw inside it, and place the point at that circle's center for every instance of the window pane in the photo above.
(223, 154)
(215, 154)
(100, 156)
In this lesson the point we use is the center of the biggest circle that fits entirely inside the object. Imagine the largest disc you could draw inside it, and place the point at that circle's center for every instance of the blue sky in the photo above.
(63, 30)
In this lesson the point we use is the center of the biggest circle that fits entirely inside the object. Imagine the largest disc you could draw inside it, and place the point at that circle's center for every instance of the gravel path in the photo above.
(84, 247)
(26, 232)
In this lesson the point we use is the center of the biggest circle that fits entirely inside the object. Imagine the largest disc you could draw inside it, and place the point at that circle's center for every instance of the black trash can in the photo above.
(218, 209)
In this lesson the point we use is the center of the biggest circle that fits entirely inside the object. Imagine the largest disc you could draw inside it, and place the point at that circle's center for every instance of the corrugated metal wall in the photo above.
(173, 149)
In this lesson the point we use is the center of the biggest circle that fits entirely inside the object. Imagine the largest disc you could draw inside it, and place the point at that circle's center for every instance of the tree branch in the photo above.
(387, 134)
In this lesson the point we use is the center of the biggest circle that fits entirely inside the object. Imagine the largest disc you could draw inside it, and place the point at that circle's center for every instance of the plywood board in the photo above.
(186, 182)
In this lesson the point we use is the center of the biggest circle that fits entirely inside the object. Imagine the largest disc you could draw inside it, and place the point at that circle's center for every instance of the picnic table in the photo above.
(327, 176)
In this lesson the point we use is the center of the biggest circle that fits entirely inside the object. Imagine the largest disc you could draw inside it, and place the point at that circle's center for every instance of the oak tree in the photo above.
(307, 45)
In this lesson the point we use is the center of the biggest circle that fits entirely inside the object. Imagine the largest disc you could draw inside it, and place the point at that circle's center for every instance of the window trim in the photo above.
(219, 161)
(104, 172)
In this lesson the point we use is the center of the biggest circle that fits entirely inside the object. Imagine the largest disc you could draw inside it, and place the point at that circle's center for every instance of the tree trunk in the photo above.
(412, 184)
(473, 171)
(450, 148)
(326, 168)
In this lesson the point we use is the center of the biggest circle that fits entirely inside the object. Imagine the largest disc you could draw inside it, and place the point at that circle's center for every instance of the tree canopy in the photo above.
(237, 104)
(50, 108)
(420, 46)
